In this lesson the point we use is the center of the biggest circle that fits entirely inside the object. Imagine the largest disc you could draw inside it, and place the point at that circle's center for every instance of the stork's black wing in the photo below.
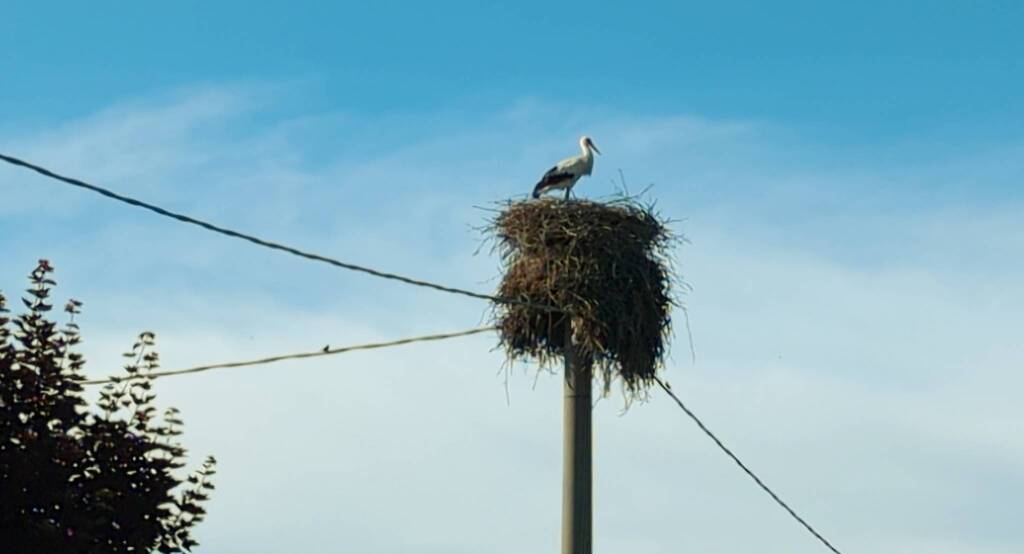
(550, 179)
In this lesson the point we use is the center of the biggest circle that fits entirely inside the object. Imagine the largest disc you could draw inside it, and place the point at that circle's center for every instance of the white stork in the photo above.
(565, 174)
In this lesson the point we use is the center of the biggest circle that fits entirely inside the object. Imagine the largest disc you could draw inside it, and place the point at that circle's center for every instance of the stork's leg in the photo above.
(567, 191)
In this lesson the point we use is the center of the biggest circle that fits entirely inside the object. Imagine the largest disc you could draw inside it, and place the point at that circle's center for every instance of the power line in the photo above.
(442, 336)
(744, 467)
(266, 243)
(298, 356)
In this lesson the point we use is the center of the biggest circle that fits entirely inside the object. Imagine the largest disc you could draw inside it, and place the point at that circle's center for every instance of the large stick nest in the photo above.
(605, 267)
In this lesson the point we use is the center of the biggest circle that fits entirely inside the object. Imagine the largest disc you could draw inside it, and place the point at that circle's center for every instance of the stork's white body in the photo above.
(566, 172)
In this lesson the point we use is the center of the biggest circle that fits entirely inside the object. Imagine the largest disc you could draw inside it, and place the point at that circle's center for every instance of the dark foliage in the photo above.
(604, 264)
(81, 480)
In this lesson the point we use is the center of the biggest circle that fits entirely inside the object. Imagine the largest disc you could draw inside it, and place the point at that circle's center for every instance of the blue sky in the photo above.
(849, 178)
(851, 71)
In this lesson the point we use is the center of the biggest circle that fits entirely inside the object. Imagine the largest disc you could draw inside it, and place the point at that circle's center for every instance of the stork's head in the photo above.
(587, 144)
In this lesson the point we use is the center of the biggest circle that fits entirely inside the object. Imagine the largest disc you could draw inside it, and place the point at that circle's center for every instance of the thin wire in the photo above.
(689, 335)
(266, 243)
(298, 356)
(744, 467)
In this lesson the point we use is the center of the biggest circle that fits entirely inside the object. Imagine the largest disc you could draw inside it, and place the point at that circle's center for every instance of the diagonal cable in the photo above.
(743, 466)
(266, 243)
(297, 356)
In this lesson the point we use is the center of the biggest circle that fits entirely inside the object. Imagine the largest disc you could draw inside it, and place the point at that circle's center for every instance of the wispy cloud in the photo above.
(856, 323)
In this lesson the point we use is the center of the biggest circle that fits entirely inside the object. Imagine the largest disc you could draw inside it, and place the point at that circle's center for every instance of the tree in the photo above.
(74, 478)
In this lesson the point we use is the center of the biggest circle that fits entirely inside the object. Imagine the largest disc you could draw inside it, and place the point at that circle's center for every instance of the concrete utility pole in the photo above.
(577, 478)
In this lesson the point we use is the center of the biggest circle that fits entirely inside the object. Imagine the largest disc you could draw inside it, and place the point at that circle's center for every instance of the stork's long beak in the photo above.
(593, 146)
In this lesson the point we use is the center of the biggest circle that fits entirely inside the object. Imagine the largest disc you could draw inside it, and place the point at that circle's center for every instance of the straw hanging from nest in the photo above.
(606, 265)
